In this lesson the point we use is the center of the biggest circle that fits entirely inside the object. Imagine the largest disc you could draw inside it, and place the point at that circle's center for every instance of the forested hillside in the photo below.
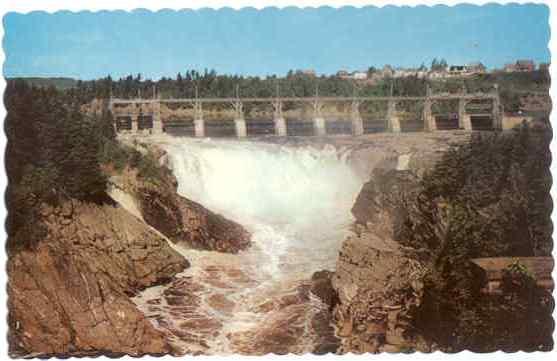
(55, 153)
(488, 198)
(297, 84)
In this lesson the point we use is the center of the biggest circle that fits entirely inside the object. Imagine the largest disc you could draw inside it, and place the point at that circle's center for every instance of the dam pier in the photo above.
(307, 116)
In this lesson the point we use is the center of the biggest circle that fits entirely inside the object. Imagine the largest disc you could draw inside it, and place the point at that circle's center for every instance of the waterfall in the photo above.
(295, 200)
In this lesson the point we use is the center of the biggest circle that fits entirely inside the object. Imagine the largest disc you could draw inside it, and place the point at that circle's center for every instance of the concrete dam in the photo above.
(307, 116)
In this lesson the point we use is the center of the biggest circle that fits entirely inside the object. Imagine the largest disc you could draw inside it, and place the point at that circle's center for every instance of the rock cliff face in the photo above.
(405, 280)
(178, 218)
(378, 280)
(70, 295)
(182, 220)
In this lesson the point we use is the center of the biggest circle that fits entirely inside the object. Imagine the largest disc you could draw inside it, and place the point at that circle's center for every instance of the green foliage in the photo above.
(489, 198)
(56, 82)
(52, 155)
(510, 100)
(55, 153)
(522, 314)
(499, 180)
(297, 84)
(148, 168)
(211, 84)
(121, 156)
(517, 270)
(111, 152)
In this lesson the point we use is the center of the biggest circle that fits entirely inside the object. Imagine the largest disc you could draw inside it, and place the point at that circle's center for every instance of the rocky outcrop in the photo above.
(70, 295)
(322, 288)
(379, 281)
(178, 218)
(182, 220)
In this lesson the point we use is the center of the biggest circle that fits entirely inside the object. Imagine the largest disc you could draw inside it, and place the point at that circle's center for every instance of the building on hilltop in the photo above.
(476, 68)
(359, 75)
(520, 66)
(404, 73)
(355, 75)
(525, 65)
(456, 70)
(308, 72)
(509, 68)
(438, 74)
(466, 70)
(343, 74)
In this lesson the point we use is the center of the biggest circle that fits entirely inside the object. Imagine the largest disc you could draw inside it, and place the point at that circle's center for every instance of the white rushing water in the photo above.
(294, 200)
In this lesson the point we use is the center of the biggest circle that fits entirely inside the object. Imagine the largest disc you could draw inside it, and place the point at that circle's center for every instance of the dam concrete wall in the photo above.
(324, 115)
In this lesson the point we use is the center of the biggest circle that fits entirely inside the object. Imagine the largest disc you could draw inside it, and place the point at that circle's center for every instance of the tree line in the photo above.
(210, 84)
(54, 153)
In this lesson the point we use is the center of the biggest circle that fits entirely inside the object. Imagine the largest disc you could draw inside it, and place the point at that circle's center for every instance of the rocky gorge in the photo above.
(203, 252)
(405, 279)
(374, 274)
(71, 294)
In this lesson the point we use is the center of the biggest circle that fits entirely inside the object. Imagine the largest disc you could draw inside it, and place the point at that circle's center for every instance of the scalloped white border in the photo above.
(24, 6)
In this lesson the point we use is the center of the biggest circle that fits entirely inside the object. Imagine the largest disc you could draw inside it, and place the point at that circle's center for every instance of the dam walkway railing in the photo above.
(198, 117)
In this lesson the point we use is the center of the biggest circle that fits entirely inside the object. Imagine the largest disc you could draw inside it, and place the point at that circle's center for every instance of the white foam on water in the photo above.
(294, 200)
(290, 198)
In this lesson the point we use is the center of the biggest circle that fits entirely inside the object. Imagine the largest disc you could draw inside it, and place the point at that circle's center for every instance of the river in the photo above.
(296, 201)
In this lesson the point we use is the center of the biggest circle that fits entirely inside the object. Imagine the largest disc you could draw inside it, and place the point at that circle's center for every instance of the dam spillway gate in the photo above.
(307, 116)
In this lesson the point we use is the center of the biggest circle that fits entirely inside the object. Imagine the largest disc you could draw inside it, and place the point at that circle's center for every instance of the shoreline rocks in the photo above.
(70, 295)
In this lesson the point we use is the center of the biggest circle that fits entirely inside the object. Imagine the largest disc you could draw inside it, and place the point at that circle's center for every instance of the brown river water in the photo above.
(296, 202)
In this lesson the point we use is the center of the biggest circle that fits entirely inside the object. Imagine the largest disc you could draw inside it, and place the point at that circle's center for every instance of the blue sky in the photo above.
(271, 41)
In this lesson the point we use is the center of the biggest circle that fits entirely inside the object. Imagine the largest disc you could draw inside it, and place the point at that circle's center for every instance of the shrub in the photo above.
(52, 155)
(495, 192)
